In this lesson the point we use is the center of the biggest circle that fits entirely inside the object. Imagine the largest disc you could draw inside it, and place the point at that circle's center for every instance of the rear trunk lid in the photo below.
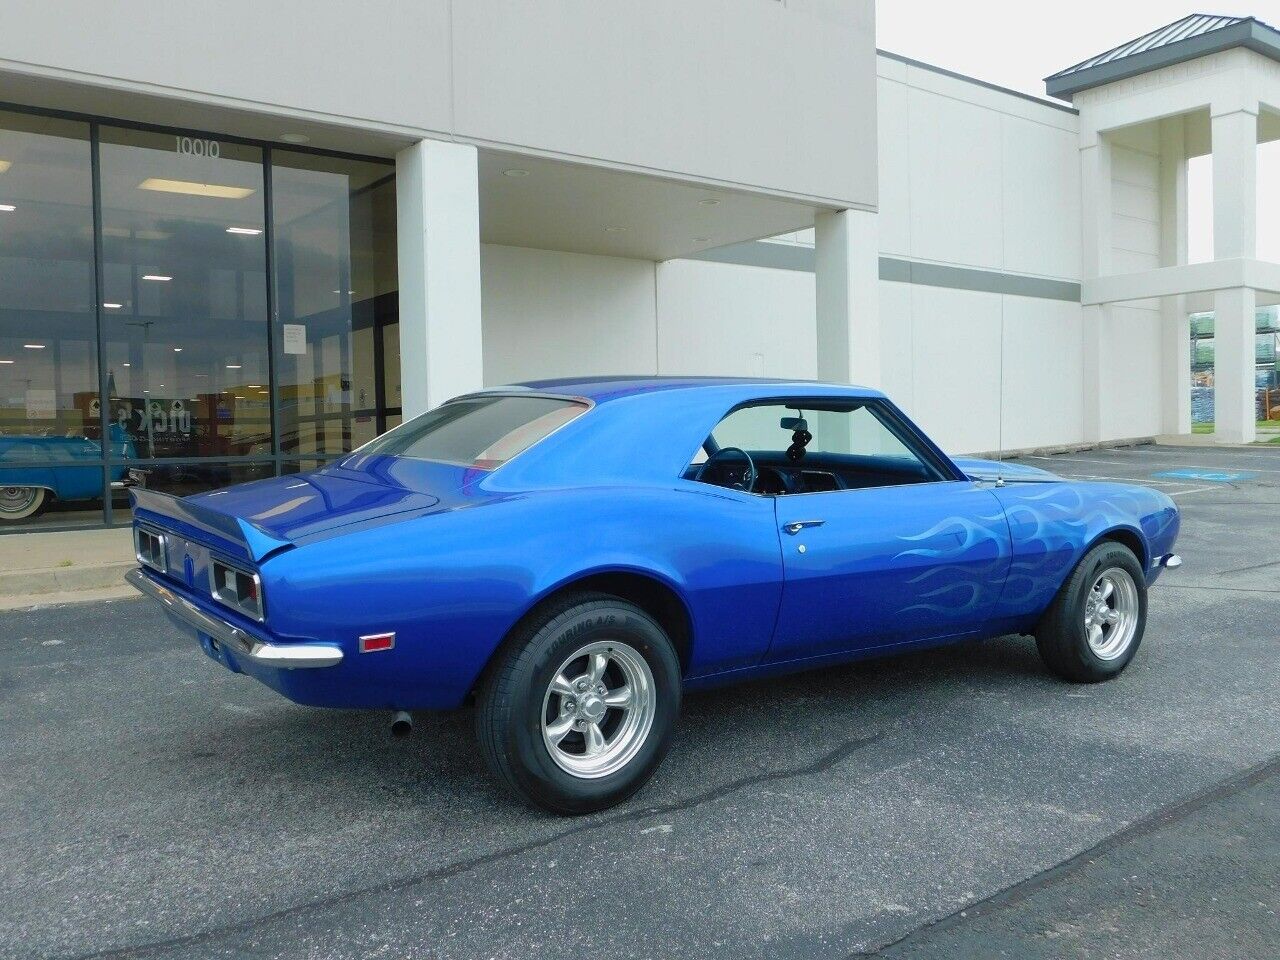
(254, 520)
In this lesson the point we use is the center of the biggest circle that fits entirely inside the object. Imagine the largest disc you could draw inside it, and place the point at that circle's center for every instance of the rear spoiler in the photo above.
(232, 535)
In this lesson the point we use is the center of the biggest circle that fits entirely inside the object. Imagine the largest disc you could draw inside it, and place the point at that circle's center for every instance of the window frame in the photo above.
(890, 417)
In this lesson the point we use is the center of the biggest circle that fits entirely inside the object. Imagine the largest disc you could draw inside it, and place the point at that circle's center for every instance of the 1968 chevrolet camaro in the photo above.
(573, 554)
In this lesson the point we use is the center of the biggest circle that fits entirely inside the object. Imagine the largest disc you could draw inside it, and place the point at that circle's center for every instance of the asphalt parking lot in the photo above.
(958, 803)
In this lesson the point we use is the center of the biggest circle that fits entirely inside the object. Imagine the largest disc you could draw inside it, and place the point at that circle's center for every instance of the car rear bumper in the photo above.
(241, 643)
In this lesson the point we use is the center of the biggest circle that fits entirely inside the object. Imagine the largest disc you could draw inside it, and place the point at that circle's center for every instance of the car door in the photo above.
(884, 565)
(902, 551)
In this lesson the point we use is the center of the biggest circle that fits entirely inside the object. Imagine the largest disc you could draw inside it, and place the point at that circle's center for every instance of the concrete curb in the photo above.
(63, 579)
(32, 601)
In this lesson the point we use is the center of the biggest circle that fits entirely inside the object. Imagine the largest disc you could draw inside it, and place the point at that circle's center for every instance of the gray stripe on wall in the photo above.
(789, 256)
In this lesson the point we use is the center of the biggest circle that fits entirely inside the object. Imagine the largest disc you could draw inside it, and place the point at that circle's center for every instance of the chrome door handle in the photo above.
(797, 525)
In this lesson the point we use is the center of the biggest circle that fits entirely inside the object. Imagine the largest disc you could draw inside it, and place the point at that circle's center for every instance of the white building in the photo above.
(246, 247)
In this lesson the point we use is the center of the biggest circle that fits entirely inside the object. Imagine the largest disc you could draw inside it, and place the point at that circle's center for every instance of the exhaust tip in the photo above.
(1171, 562)
(401, 724)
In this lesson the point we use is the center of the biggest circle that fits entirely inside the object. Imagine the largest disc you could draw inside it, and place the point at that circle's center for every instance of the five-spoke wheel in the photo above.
(1094, 625)
(598, 709)
(576, 711)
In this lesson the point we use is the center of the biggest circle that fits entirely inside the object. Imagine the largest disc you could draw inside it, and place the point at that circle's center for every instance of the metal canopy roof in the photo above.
(1194, 36)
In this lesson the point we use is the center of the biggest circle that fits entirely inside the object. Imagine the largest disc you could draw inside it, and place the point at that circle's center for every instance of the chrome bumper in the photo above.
(240, 642)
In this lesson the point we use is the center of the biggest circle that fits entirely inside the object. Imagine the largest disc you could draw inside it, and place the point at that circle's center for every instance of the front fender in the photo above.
(1052, 525)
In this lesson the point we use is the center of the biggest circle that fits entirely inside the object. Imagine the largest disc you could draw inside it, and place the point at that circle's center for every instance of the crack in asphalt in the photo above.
(820, 765)
(1193, 586)
(1153, 822)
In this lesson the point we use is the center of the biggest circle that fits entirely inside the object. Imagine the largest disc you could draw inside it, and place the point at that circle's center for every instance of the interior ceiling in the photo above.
(566, 206)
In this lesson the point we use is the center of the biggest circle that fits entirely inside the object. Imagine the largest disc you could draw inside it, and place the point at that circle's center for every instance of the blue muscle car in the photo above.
(574, 554)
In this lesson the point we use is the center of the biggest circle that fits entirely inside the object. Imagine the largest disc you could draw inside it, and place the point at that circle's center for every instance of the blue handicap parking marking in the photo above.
(1213, 476)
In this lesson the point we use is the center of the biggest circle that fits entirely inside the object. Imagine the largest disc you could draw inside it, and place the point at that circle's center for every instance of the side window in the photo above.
(810, 446)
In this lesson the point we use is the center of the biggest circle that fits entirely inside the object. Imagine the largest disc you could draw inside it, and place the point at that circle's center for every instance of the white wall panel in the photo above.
(729, 320)
(895, 171)
(955, 169)
(553, 314)
(956, 353)
(897, 364)
(1042, 373)
(773, 95)
(1040, 208)
(1131, 374)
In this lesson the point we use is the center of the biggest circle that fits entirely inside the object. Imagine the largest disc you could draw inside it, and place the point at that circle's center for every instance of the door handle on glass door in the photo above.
(796, 526)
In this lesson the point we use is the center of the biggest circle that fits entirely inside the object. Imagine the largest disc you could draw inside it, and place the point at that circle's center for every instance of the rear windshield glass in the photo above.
(482, 432)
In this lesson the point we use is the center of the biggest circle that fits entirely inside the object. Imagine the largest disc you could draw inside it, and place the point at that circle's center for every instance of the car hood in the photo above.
(976, 469)
(290, 508)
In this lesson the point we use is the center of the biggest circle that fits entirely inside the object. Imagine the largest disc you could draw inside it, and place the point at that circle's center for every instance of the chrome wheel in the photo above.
(1111, 613)
(18, 503)
(598, 709)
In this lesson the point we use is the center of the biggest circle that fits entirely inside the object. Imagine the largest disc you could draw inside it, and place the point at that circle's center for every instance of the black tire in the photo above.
(512, 701)
(1062, 637)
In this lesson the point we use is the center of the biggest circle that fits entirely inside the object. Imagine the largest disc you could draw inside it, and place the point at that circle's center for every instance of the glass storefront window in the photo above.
(334, 256)
(185, 295)
(204, 388)
(50, 426)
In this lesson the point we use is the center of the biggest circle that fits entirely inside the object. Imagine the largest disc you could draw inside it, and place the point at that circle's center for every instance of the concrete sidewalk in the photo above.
(72, 565)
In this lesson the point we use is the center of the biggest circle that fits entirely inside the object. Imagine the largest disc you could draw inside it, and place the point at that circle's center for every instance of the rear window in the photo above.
(483, 432)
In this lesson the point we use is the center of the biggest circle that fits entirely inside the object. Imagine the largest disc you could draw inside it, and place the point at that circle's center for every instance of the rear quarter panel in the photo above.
(453, 583)
(1052, 525)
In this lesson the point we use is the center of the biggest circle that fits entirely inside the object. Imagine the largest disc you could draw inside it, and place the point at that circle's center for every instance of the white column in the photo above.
(438, 240)
(1235, 184)
(1233, 365)
(847, 274)
(1235, 233)
(1096, 246)
(1175, 327)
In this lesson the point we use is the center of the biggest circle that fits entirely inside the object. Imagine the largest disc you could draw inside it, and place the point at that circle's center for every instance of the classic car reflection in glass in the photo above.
(36, 470)
(572, 555)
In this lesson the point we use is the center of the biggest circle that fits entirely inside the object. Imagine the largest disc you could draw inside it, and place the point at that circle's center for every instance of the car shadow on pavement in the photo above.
(722, 731)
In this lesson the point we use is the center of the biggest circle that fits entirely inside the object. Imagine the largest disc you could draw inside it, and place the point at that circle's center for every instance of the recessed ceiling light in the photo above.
(233, 366)
(244, 231)
(156, 276)
(255, 386)
(7, 207)
(219, 191)
(239, 398)
(6, 361)
(295, 138)
(124, 364)
(5, 165)
(113, 306)
(614, 229)
(177, 349)
(709, 202)
(34, 346)
(515, 172)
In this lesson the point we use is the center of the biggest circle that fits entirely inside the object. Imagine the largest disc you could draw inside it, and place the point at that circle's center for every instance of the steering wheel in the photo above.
(748, 481)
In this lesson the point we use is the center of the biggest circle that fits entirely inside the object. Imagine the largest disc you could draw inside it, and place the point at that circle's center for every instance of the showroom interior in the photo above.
(209, 278)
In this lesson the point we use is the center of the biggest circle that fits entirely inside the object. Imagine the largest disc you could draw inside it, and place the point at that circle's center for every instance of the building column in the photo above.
(1235, 184)
(1235, 236)
(847, 276)
(1235, 418)
(1096, 248)
(1175, 325)
(438, 257)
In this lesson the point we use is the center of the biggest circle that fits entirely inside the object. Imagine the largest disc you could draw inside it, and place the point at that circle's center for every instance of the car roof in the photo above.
(603, 389)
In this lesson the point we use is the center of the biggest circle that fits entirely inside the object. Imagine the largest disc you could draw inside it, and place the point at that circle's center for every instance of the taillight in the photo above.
(150, 548)
(238, 589)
